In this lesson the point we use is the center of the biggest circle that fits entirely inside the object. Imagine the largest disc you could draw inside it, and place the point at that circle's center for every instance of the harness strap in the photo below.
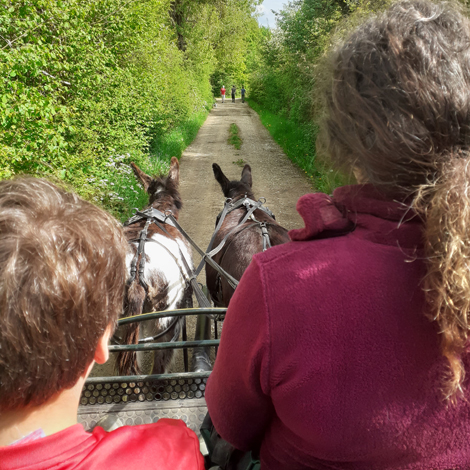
(201, 298)
(245, 218)
(264, 232)
(246, 201)
(230, 279)
(152, 213)
(220, 221)
(140, 251)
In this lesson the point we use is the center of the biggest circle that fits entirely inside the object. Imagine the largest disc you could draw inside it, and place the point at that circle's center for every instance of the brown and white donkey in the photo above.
(165, 283)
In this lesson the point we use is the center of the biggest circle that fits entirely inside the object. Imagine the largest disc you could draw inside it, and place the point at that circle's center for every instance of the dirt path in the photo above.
(274, 176)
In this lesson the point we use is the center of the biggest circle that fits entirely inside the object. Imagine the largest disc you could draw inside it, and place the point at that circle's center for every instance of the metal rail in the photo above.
(169, 345)
(142, 378)
(205, 343)
(171, 313)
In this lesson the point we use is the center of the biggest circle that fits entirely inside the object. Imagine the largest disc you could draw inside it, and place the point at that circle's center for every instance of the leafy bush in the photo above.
(87, 87)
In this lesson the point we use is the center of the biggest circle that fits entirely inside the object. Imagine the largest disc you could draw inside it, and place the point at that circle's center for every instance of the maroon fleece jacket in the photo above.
(327, 360)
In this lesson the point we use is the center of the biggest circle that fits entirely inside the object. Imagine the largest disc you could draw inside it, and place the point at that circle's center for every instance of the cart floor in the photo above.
(191, 411)
(112, 404)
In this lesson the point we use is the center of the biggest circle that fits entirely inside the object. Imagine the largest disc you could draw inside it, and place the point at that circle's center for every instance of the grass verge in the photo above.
(234, 136)
(298, 143)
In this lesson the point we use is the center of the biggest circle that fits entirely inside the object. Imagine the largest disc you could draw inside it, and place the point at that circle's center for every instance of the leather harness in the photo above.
(152, 215)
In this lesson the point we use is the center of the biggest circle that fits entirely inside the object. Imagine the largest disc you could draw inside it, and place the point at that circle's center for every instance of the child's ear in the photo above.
(101, 351)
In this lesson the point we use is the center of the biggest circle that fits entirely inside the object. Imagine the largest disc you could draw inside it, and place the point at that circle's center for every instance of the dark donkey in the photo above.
(158, 275)
(242, 240)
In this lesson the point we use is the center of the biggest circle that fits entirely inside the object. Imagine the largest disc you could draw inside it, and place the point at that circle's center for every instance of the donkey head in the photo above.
(234, 189)
(162, 190)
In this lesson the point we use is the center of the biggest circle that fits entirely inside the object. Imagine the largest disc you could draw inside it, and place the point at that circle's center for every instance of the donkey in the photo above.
(162, 283)
(244, 241)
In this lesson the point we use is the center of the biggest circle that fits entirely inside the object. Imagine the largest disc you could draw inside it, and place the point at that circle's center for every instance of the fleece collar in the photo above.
(349, 207)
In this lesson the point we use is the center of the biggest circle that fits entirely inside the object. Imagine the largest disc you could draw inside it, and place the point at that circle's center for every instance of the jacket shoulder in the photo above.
(167, 445)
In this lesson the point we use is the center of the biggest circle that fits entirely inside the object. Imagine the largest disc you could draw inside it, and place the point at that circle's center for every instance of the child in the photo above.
(62, 277)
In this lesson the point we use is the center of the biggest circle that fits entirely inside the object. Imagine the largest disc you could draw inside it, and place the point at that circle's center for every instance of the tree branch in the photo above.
(9, 43)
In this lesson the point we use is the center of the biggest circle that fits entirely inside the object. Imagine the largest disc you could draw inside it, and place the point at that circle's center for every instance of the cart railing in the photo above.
(212, 313)
(137, 399)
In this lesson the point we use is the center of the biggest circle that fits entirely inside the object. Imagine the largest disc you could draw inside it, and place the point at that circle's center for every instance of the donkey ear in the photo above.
(220, 177)
(141, 176)
(174, 173)
(246, 176)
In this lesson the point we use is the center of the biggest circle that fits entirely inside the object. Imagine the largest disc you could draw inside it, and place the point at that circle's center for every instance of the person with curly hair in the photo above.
(348, 347)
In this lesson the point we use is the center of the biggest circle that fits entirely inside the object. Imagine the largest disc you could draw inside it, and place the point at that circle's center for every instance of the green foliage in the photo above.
(236, 43)
(234, 136)
(126, 194)
(87, 87)
(283, 77)
(85, 81)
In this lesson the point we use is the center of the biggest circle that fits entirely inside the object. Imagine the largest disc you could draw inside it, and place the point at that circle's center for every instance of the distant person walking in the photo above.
(234, 89)
(243, 91)
(222, 92)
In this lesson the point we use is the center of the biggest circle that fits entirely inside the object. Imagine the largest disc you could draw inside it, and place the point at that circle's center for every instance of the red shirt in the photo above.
(327, 360)
(222, 91)
(165, 445)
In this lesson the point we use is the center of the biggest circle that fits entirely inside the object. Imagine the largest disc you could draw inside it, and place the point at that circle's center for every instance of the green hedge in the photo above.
(87, 87)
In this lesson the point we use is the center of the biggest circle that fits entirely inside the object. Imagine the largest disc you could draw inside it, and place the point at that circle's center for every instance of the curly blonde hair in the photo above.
(398, 110)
